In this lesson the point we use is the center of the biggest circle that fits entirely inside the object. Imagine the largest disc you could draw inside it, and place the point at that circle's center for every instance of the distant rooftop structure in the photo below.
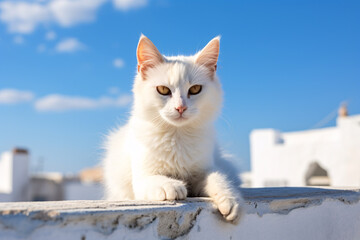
(343, 111)
(20, 151)
(94, 174)
(17, 184)
(14, 175)
(322, 157)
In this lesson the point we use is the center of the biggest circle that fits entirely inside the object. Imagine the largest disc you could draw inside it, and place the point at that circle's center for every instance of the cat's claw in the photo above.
(172, 190)
(230, 209)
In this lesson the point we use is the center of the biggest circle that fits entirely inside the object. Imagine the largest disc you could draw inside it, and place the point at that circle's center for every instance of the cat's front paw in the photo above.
(230, 208)
(169, 190)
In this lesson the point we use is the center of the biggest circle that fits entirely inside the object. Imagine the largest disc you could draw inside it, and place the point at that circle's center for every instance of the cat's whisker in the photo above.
(227, 122)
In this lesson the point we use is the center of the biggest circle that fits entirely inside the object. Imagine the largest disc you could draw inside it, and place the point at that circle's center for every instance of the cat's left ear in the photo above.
(208, 56)
(148, 55)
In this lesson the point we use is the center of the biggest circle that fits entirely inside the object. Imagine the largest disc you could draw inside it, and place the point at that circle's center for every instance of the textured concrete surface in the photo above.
(270, 213)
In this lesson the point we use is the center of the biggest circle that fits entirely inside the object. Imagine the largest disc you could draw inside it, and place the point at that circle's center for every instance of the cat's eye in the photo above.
(196, 89)
(163, 90)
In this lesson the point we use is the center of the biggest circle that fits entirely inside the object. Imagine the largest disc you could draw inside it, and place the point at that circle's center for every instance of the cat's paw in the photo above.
(169, 190)
(230, 208)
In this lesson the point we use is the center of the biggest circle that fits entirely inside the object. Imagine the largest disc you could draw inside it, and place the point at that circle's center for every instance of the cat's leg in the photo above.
(118, 186)
(117, 178)
(225, 197)
(158, 188)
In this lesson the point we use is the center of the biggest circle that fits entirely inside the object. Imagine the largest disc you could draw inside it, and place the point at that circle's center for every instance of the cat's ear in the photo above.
(148, 55)
(208, 56)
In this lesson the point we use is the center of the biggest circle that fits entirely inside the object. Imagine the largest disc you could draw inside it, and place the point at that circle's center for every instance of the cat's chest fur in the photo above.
(178, 153)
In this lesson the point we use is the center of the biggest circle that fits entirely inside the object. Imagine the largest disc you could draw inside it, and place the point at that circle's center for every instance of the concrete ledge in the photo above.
(271, 213)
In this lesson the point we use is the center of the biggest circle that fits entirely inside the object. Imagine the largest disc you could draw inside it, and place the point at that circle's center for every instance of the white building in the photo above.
(16, 183)
(56, 186)
(14, 175)
(327, 156)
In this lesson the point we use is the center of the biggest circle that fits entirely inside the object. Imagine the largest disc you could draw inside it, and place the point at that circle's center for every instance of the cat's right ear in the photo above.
(208, 56)
(148, 55)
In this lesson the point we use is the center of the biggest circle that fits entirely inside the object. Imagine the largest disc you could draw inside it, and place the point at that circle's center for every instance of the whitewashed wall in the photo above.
(20, 177)
(14, 176)
(284, 158)
(5, 173)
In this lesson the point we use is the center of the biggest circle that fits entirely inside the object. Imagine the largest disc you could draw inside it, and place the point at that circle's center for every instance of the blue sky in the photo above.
(67, 66)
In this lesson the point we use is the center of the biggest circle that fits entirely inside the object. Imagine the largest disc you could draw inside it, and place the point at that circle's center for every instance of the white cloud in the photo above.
(60, 103)
(114, 90)
(118, 63)
(51, 35)
(8, 96)
(128, 4)
(25, 16)
(69, 45)
(18, 40)
(41, 48)
(71, 12)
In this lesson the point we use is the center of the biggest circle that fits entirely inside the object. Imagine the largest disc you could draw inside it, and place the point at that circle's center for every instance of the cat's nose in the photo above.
(181, 109)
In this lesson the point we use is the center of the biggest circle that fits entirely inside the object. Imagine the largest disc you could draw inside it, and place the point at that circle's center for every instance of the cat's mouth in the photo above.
(180, 118)
(177, 119)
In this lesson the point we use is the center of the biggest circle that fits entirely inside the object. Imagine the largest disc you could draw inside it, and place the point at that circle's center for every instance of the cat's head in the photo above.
(179, 90)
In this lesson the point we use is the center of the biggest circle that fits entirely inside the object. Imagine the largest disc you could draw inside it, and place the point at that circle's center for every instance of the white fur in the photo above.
(159, 156)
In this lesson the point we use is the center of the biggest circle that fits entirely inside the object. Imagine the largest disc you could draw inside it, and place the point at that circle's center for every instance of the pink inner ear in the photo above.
(209, 55)
(148, 55)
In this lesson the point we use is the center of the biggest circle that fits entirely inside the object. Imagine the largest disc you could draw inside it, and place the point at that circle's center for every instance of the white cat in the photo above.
(168, 148)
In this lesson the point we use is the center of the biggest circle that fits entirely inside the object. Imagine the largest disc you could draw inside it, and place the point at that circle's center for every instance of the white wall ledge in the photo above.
(271, 213)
